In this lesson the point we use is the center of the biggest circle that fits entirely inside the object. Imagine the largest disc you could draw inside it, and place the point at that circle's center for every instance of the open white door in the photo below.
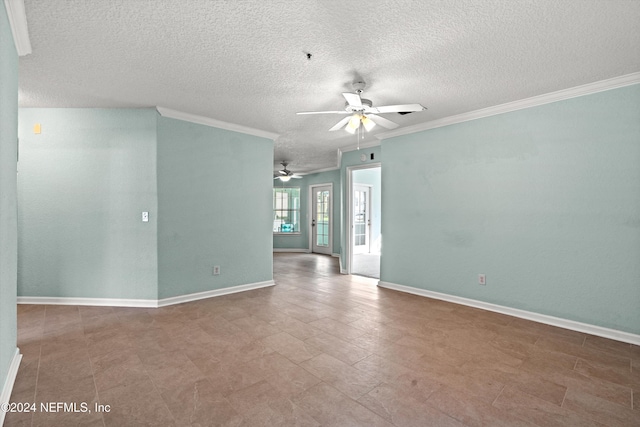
(361, 219)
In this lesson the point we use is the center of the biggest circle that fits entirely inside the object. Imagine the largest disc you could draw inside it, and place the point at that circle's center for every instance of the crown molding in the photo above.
(18, 22)
(587, 89)
(333, 168)
(207, 121)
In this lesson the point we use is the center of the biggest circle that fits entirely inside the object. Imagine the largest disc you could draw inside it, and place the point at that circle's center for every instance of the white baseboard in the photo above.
(144, 303)
(523, 314)
(214, 293)
(342, 270)
(110, 302)
(9, 382)
(306, 251)
(335, 255)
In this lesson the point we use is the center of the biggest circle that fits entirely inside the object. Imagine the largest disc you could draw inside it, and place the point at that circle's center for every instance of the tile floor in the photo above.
(318, 349)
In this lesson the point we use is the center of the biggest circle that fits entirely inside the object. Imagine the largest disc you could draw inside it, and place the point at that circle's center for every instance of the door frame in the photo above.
(311, 206)
(349, 210)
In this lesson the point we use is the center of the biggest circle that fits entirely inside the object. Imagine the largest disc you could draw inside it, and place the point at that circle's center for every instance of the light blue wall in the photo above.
(82, 186)
(301, 241)
(544, 201)
(373, 178)
(214, 200)
(8, 210)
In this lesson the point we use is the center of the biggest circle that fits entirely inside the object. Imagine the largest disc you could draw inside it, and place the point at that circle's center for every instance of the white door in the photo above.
(361, 219)
(321, 206)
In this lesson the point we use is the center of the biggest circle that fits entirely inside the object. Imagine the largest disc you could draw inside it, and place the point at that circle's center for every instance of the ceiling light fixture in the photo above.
(284, 178)
(367, 123)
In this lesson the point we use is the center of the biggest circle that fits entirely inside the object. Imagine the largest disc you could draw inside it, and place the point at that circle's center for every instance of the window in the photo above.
(286, 210)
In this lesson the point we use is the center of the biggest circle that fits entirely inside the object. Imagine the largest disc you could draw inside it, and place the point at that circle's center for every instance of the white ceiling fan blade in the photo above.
(324, 112)
(382, 121)
(353, 99)
(296, 176)
(341, 123)
(403, 108)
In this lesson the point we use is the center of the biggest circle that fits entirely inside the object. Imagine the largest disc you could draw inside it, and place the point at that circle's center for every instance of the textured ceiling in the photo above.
(245, 62)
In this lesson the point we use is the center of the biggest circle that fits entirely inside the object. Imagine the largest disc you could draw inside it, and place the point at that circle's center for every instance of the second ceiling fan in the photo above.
(361, 112)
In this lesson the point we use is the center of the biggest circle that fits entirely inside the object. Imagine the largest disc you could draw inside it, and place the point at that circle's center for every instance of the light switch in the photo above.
(145, 216)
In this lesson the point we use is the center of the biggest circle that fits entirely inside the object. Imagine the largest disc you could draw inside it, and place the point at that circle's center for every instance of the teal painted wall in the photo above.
(544, 201)
(301, 241)
(8, 198)
(215, 200)
(373, 178)
(353, 158)
(82, 186)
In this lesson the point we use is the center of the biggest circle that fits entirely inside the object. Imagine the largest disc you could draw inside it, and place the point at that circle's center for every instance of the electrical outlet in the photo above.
(216, 270)
(482, 279)
(145, 216)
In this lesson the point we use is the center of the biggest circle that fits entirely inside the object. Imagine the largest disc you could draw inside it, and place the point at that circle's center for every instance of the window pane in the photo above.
(286, 210)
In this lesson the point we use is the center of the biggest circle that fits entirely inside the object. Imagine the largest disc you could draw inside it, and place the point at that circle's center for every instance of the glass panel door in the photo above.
(361, 212)
(321, 219)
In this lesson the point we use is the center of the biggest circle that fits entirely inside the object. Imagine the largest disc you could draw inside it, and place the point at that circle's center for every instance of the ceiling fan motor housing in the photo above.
(358, 86)
(366, 103)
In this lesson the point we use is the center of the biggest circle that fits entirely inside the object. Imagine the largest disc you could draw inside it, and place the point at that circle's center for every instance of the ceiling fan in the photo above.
(285, 174)
(361, 112)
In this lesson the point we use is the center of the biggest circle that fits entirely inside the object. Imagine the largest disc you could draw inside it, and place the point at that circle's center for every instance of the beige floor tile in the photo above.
(601, 410)
(396, 408)
(471, 411)
(291, 347)
(330, 407)
(569, 378)
(538, 411)
(301, 352)
(200, 403)
(349, 380)
(338, 348)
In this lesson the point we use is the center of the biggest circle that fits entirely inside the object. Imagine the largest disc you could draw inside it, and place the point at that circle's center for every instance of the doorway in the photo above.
(321, 227)
(364, 213)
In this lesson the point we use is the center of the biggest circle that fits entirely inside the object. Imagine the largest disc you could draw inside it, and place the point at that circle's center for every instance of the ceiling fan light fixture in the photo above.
(353, 124)
(285, 178)
(367, 123)
(350, 129)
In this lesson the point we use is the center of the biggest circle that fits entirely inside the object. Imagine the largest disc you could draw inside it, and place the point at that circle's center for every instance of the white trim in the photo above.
(214, 293)
(523, 314)
(300, 250)
(342, 270)
(144, 303)
(9, 382)
(110, 302)
(587, 89)
(320, 170)
(335, 255)
(207, 121)
(19, 29)
(311, 208)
